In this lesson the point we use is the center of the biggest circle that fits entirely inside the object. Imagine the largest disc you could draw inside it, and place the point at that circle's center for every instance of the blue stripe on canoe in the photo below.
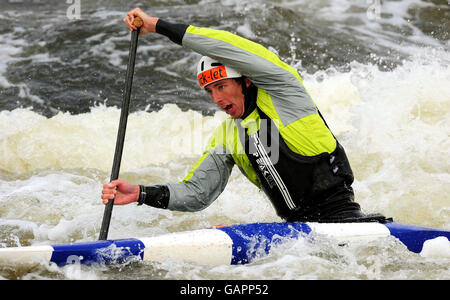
(111, 251)
(254, 240)
(414, 236)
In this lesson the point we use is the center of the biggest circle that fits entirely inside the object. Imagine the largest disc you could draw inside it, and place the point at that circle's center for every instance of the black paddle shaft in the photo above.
(121, 132)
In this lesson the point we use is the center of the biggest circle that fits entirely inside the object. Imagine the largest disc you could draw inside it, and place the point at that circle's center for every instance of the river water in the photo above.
(378, 70)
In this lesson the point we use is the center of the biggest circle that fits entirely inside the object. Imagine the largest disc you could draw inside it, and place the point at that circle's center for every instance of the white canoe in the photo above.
(236, 244)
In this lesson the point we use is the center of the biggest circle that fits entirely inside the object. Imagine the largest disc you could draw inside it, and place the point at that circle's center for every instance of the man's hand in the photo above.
(121, 191)
(149, 22)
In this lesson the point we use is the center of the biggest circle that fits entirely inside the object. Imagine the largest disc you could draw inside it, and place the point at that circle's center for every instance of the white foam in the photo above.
(31, 141)
(436, 248)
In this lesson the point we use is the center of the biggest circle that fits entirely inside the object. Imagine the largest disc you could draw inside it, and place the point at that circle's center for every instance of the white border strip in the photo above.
(204, 246)
(350, 231)
(25, 255)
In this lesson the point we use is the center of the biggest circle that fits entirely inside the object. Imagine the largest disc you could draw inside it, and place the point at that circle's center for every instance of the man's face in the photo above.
(227, 94)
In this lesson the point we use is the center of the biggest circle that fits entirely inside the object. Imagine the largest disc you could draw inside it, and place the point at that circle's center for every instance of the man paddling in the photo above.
(275, 134)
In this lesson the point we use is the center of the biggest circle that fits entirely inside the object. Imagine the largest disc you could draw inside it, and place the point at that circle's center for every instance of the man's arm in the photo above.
(290, 100)
(208, 178)
(204, 183)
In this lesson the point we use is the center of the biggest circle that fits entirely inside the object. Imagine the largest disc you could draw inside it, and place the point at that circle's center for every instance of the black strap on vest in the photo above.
(319, 186)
